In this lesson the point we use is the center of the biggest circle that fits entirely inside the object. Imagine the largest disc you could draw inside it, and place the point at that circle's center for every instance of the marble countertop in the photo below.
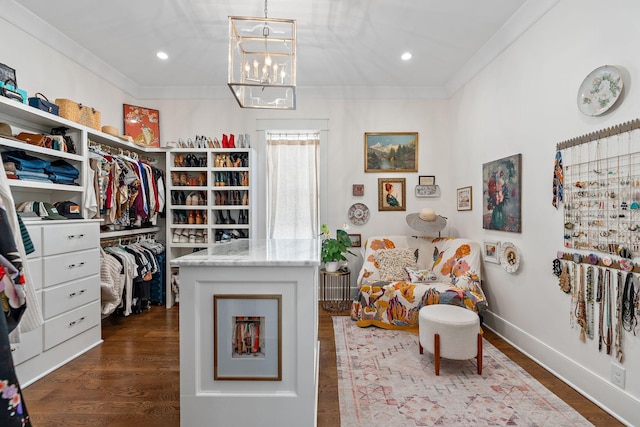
(255, 252)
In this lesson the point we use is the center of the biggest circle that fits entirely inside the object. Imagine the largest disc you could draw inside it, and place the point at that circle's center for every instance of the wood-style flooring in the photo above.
(133, 378)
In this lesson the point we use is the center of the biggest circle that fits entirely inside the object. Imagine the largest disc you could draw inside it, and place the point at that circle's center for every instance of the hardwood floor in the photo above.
(132, 379)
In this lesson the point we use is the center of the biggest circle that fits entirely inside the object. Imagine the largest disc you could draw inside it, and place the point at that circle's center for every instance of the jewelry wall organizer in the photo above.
(601, 186)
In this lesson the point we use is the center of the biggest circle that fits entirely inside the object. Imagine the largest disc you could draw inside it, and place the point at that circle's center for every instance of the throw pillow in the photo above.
(392, 263)
(420, 276)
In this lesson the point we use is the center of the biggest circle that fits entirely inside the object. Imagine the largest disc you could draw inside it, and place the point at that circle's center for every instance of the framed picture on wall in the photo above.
(426, 180)
(392, 194)
(464, 201)
(356, 240)
(491, 252)
(247, 337)
(391, 152)
(501, 191)
(358, 189)
(142, 124)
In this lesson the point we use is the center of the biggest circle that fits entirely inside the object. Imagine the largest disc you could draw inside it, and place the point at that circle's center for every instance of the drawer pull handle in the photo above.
(77, 321)
(73, 294)
(75, 236)
(76, 265)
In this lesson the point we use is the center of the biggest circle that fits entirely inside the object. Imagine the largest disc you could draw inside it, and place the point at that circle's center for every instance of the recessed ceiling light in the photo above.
(406, 56)
(162, 55)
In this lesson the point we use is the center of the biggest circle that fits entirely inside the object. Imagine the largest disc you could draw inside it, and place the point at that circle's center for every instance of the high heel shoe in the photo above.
(240, 141)
(184, 179)
(247, 144)
(229, 219)
(198, 217)
(216, 143)
(245, 198)
(210, 143)
(202, 179)
(222, 219)
(192, 217)
(225, 141)
(231, 138)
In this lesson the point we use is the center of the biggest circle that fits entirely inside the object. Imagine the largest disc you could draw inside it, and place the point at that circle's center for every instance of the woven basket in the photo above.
(79, 113)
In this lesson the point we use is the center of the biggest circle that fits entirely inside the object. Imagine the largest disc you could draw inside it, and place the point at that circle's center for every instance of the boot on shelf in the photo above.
(230, 220)
(225, 141)
(231, 141)
(222, 219)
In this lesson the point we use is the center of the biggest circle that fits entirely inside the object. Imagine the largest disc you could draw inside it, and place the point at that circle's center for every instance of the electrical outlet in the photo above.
(617, 375)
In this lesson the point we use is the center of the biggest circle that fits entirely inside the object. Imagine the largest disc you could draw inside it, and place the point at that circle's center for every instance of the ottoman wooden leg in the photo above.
(421, 349)
(436, 354)
(479, 354)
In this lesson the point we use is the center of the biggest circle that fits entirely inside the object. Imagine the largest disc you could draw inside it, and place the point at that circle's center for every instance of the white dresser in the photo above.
(65, 269)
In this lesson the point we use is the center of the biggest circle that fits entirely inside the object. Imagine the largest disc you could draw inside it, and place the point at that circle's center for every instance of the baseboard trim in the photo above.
(600, 391)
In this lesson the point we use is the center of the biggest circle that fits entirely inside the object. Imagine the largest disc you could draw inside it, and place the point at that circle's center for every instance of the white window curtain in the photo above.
(292, 174)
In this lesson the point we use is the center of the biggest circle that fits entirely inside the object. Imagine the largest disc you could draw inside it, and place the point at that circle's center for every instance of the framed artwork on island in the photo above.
(356, 240)
(426, 180)
(358, 189)
(391, 152)
(491, 251)
(501, 192)
(247, 337)
(464, 200)
(392, 194)
(142, 124)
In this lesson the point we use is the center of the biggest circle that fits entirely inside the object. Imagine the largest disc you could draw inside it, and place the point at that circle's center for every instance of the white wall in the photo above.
(525, 102)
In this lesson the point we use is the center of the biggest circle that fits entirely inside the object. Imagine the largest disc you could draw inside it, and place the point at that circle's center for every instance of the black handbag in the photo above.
(11, 93)
(41, 102)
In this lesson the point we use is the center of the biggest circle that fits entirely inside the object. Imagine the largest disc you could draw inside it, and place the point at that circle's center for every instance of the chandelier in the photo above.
(262, 62)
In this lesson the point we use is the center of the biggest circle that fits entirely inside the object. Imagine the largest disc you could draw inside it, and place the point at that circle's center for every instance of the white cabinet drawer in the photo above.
(72, 266)
(30, 346)
(58, 299)
(70, 324)
(58, 239)
(35, 234)
(35, 269)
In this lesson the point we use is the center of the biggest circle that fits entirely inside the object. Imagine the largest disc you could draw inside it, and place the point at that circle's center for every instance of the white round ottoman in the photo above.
(451, 332)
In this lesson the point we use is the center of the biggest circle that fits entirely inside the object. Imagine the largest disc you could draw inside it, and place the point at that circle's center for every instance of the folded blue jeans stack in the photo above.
(27, 167)
(62, 172)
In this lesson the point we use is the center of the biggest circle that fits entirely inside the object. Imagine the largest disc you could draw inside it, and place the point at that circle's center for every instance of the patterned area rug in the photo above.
(383, 380)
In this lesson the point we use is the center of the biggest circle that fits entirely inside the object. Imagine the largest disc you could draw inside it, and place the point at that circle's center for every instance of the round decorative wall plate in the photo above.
(359, 214)
(600, 90)
(510, 256)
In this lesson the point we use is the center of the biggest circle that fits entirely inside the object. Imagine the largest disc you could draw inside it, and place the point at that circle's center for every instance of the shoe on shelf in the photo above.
(192, 235)
(199, 217)
(176, 235)
(225, 141)
(231, 139)
(199, 236)
(240, 141)
(247, 144)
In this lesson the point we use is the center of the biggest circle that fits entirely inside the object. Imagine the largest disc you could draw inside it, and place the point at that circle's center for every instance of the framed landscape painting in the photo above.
(391, 152)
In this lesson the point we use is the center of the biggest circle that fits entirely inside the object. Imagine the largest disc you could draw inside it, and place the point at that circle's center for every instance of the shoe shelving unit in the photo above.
(208, 198)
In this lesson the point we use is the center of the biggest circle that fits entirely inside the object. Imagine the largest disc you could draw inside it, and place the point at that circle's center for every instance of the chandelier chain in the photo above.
(265, 9)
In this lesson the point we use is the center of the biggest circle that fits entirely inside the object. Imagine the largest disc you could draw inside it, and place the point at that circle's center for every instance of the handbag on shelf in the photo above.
(32, 138)
(41, 102)
(62, 131)
(9, 89)
(79, 113)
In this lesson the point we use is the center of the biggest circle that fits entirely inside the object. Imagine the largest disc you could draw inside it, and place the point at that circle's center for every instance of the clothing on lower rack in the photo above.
(127, 274)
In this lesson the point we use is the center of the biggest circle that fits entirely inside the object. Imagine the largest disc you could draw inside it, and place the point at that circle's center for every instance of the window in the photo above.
(292, 185)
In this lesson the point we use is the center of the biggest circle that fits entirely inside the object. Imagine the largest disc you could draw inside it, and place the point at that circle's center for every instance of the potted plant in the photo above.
(334, 250)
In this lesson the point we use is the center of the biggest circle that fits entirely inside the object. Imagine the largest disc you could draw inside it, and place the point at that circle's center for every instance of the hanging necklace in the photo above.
(607, 299)
(618, 343)
(589, 297)
(629, 320)
(574, 295)
(581, 314)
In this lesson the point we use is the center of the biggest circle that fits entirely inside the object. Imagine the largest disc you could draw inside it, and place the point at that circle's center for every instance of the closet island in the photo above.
(249, 333)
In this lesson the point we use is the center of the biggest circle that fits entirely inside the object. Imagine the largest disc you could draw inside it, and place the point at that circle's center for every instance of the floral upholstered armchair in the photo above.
(401, 274)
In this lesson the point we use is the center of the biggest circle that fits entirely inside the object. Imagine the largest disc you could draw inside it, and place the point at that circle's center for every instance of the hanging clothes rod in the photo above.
(599, 134)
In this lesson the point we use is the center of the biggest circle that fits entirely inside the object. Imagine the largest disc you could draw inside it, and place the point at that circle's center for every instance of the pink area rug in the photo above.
(383, 380)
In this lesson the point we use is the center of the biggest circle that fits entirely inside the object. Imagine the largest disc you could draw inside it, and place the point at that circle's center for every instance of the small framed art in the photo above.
(142, 124)
(392, 194)
(247, 337)
(491, 252)
(358, 189)
(426, 180)
(356, 240)
(464, 201)
(391, 152)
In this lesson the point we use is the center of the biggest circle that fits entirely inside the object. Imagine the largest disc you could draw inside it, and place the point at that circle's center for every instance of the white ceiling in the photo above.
(346, 48)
